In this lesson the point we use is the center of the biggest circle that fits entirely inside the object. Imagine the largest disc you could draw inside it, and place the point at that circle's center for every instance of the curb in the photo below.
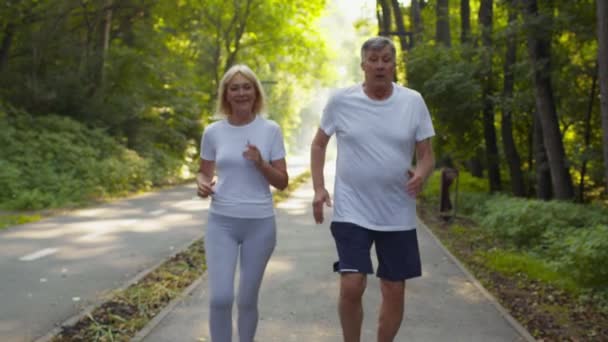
(503, 312)
(147, 329)
(89, 308)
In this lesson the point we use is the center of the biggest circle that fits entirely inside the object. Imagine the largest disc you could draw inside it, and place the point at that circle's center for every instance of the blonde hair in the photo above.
(223, 107)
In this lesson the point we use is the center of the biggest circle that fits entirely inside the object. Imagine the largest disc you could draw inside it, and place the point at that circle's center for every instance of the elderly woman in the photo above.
(249, 155)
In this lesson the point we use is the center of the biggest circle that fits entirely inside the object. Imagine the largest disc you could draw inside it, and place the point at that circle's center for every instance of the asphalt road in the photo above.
(51, 270)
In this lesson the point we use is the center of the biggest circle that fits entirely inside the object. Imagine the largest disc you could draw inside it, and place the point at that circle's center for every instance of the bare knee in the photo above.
(352, 286)
(392, 290)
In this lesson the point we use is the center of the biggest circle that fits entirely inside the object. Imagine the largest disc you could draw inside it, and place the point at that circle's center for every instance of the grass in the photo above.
(7, 220)
(513, 263)
(124, 313)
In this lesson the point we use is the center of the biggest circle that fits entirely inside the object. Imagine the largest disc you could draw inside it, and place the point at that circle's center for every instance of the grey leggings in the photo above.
(225, 237)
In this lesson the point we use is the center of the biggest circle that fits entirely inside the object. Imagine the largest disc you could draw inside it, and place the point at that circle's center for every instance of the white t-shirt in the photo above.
(376, 144)
(241, 189)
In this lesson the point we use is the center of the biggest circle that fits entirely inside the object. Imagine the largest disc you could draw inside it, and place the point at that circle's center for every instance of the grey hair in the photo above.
(375, 44)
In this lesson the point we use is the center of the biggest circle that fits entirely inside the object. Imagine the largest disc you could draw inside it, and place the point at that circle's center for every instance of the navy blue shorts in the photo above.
(397, 252)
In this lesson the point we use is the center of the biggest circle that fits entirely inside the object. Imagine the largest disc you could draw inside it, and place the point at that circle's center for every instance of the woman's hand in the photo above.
(204, 188)
(253, 153)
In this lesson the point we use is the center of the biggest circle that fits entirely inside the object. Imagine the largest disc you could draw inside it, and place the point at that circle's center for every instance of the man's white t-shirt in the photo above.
(241, 189)
(376, 144)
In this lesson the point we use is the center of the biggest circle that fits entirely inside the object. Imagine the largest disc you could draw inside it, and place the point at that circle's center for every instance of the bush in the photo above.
(528, 223)
(585, 255)
(54, 161)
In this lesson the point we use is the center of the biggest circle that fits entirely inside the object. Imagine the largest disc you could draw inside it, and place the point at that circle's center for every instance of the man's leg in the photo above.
(398, 259)
(391, 310)
(350, 307)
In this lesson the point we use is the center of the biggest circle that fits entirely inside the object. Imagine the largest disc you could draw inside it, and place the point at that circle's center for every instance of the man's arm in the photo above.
(425, 163)
(317, 164)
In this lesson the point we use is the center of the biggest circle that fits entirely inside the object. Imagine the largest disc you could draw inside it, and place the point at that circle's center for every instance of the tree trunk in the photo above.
(465, 21)
(543, 172)
(383, 11)
(487, 83)
(602, 37)
(107, 28)
(587, 135)
(416, 18)
(475, 165)
(539, 48)
(511, 154)
(7, 40)
(400, 26)
(442, 32)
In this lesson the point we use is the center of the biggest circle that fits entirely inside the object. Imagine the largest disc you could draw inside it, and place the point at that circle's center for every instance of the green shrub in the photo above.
(585, 256)
(54, 161)
(469, 203)
(528, 223)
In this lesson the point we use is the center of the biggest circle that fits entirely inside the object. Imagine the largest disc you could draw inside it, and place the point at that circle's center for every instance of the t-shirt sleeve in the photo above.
(277, 150)
(207, 145)
(328, 119)
(425, 124)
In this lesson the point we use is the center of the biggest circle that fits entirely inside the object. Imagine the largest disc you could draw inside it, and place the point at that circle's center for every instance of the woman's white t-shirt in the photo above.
(241, 189)
(376, 143)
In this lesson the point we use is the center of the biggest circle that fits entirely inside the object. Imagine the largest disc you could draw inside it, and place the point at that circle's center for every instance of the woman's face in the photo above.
(240, 94)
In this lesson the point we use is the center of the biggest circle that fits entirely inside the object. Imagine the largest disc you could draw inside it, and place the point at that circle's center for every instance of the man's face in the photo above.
(378, 66)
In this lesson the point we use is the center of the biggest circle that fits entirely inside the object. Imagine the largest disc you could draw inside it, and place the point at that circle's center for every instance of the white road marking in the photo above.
(39, 254)
(128, 222)
(91, 236)
(158, 212)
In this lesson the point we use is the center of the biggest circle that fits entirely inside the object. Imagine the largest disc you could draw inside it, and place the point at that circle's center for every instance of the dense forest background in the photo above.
(514, 89)
(103, 97)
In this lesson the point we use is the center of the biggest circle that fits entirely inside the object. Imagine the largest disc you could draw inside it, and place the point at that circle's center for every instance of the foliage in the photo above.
(536, 237)
(511, 263)
(584, 255)
(530, 223)
(448, 85)
(131, 96)
(7, 220)
(54, 161)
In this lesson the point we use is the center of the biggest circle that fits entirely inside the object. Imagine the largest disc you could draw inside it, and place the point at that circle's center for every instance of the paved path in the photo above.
(298, 297)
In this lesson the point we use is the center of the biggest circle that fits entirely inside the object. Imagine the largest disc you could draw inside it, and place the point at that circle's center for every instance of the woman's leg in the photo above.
(221, 250)
(256, 249)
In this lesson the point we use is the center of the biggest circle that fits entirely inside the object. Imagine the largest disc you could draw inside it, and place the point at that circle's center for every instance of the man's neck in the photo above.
(378, 92)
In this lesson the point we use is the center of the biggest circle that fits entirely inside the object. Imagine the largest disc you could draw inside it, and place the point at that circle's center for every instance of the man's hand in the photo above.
(321, 197)
(204, 188)
(414, 184)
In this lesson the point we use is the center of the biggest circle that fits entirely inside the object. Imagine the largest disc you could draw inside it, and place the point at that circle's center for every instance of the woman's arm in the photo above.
(275, 171)
(204, 178)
